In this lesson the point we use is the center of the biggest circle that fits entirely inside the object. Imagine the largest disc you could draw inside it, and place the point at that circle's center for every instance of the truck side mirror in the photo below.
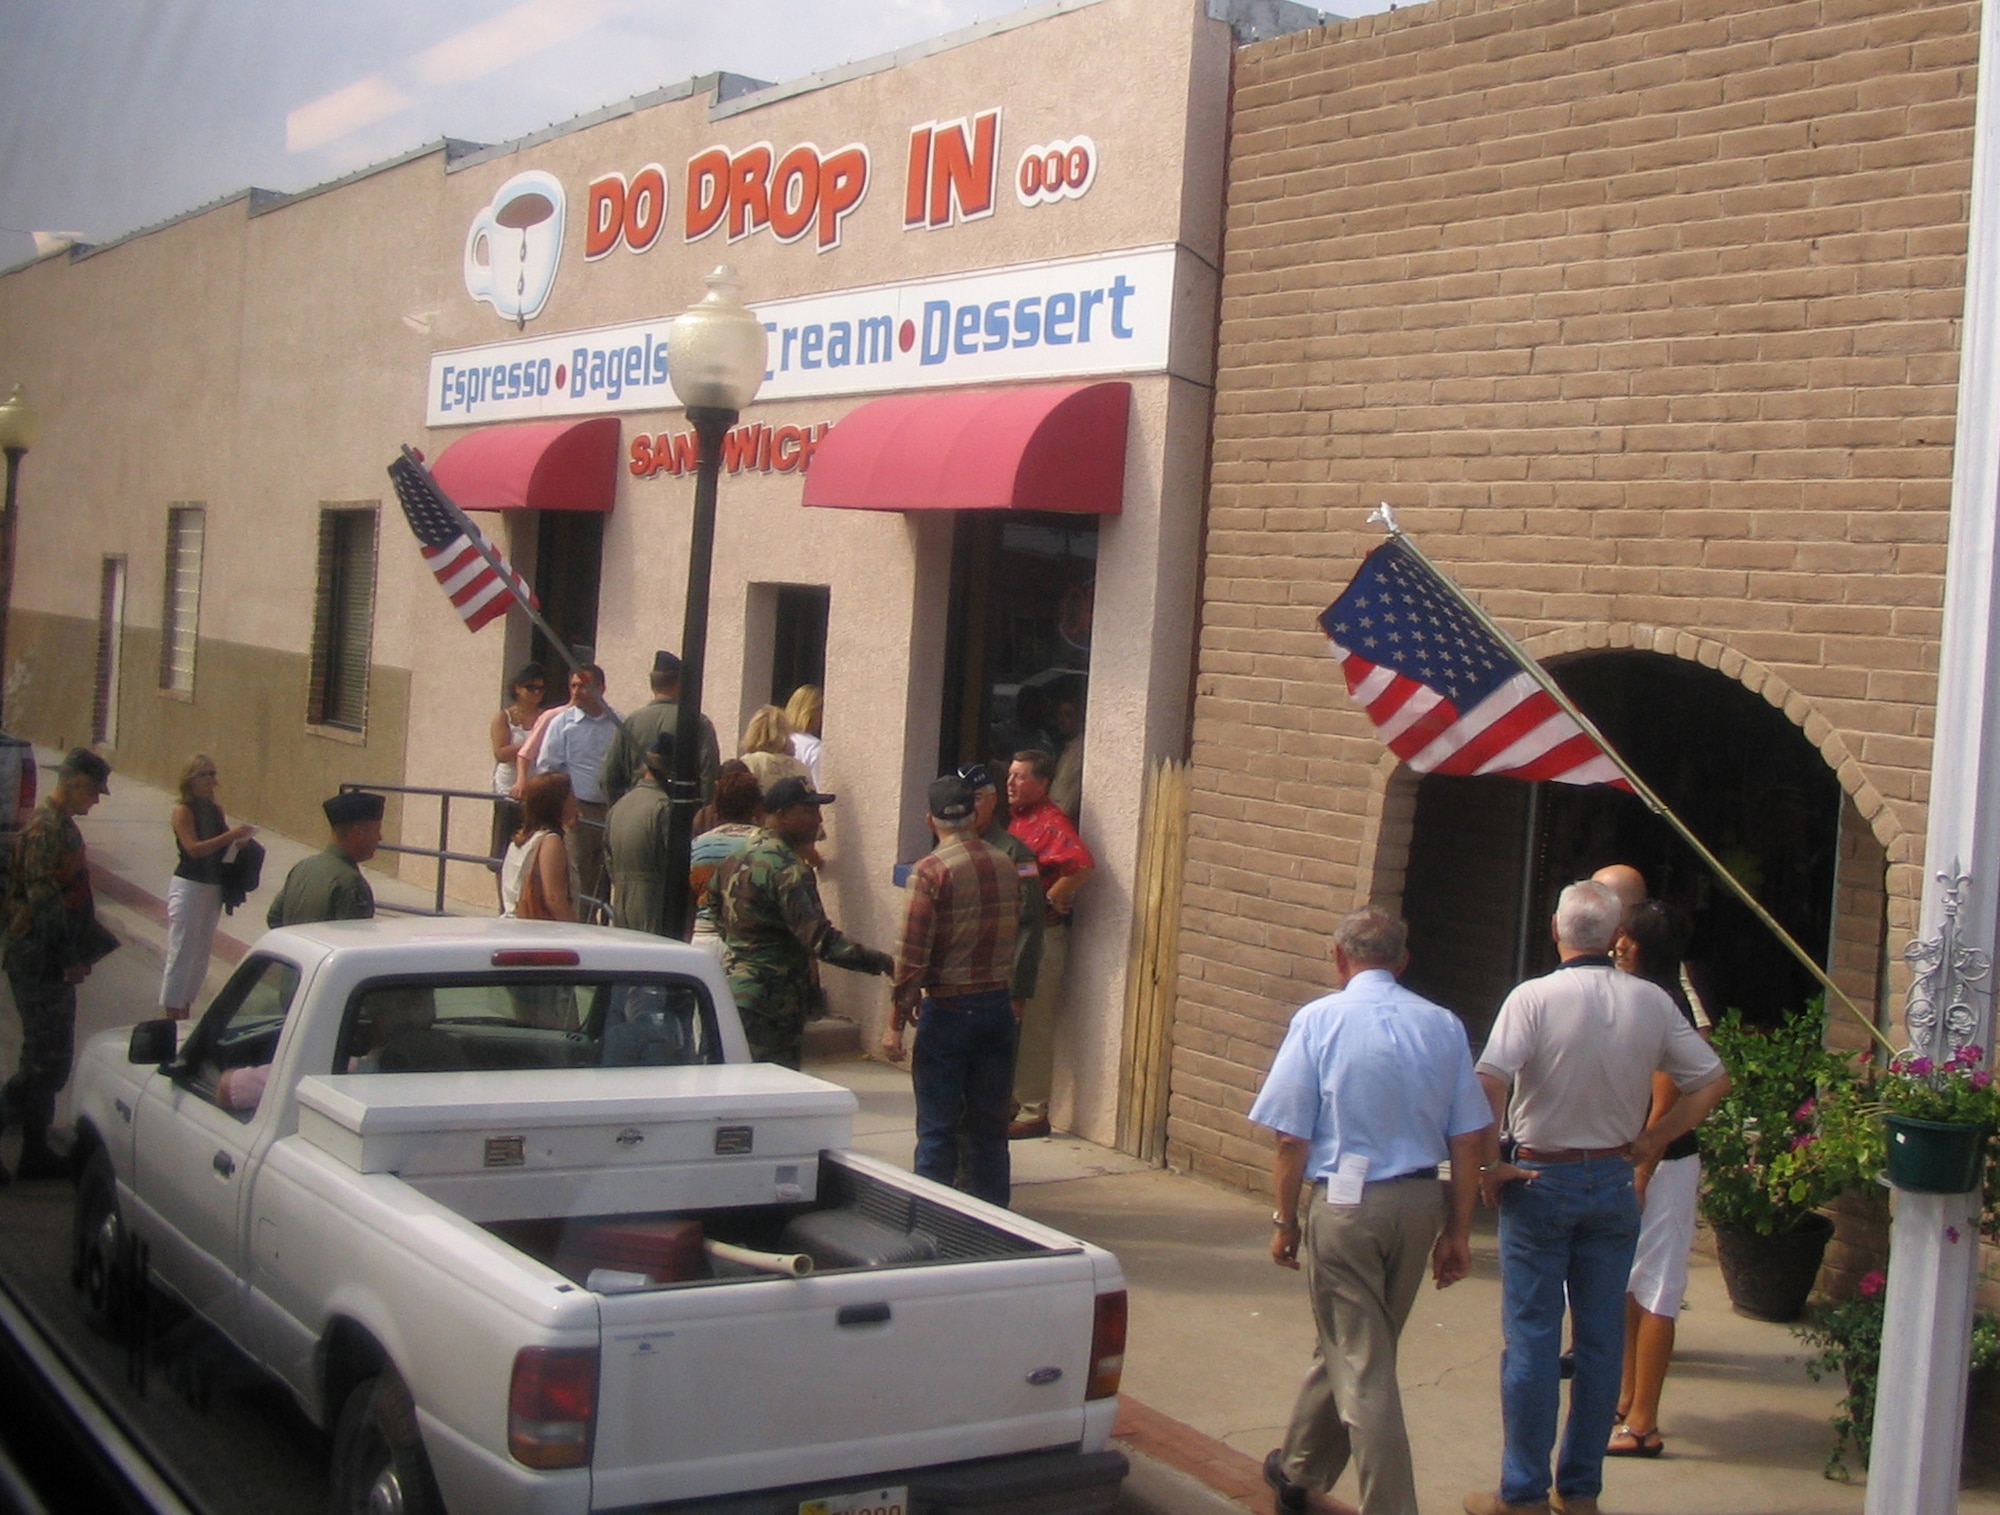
(153, 1043)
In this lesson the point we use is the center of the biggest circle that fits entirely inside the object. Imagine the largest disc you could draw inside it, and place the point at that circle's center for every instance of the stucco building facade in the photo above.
(210, 557)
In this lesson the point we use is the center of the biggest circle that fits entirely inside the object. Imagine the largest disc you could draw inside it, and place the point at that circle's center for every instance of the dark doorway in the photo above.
(569, 560)
(798, 639)
(1018, 640)
(1488, 856)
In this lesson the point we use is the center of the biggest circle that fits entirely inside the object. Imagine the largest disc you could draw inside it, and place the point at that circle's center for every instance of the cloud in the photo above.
(508, 38)
(343, 112)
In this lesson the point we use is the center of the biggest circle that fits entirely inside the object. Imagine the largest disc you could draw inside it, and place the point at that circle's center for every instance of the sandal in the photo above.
(1626, 1442)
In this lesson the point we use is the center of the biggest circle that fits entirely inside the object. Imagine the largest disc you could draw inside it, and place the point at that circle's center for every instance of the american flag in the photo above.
(473, 572)
(1445, 694)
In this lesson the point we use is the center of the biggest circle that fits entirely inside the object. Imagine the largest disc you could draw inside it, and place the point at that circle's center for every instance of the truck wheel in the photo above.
(379, 1467)
(98, 1252)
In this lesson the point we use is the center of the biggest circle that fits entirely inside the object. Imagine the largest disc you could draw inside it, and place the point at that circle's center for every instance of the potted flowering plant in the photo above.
(1849, 1336)
(1791, 1136)
(1940, 1117)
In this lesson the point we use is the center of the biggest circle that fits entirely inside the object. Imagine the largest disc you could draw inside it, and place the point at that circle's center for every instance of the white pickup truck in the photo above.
(514, 1216)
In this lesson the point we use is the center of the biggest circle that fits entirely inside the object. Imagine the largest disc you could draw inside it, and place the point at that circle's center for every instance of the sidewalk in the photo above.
(1220, 1335)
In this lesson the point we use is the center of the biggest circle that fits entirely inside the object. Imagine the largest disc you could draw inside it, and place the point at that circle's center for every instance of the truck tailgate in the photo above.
(793, 1381)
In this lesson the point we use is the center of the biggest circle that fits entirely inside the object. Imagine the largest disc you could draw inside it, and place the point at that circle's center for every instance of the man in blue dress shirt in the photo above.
(1370, 1091)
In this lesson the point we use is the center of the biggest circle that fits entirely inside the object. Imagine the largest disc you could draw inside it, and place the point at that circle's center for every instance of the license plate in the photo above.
(861, 1502)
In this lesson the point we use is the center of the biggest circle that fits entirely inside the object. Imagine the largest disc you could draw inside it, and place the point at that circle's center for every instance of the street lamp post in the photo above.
(18, 427)
(716, 352)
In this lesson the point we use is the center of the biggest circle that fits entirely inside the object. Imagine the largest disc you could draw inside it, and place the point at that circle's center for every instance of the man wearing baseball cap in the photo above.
(773, 925)
(954, 977)
(52, 939)
(328, 886)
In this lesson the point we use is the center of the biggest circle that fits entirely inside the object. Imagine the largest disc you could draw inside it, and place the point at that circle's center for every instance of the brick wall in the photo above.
(1645, 316)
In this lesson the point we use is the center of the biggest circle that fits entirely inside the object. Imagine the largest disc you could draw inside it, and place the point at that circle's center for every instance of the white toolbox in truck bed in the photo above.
(554, 1142)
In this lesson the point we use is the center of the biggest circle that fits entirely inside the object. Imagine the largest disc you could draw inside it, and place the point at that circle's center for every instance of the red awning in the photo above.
(1053, 447)
(537, 465)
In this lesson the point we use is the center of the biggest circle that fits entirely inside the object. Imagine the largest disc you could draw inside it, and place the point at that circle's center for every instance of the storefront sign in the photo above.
(756, 448)
(1080, 317)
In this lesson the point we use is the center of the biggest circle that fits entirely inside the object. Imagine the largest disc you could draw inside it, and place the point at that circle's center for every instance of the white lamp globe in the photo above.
(717, 349)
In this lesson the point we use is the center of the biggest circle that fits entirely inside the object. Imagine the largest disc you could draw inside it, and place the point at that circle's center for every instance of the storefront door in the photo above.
(1017, 655)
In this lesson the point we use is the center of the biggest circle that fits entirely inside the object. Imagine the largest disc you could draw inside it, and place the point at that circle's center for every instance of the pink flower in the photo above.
(1919, 1066)
(1805, 1111)
(1951, 1234)
(1971, 1053)
(1803, 1139)
(1871, 1283)
(1982, 1079)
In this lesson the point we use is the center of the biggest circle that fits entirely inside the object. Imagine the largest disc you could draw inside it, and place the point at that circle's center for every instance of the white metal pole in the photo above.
(1934, 1240)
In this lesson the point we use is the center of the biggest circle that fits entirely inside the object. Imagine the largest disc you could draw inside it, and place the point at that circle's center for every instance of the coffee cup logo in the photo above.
(514, 245)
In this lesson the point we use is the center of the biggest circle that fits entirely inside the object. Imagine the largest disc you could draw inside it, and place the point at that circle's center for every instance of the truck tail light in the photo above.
(1107, 1346)
(552, 1406)
(535, 957)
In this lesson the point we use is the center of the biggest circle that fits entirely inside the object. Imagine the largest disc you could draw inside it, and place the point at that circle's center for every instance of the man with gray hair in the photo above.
(1568, 1069)
(1371, 1088)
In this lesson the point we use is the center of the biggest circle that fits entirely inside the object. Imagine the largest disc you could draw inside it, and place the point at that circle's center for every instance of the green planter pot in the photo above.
(1934, 1156)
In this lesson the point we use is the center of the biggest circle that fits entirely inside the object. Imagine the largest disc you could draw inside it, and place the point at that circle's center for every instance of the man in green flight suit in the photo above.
(636, 837)
(51, 940)
(624, 764)
(328, 886)
(773, 926)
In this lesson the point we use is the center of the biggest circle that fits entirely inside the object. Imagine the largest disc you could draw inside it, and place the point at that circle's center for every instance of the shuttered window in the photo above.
(343, 618)
(181, 605)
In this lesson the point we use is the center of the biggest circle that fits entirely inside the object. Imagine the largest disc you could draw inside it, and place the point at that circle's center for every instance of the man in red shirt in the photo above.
(1065, 865)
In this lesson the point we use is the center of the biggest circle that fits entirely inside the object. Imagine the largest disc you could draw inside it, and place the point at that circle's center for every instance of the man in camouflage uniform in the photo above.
(773, 926)
(52, 938)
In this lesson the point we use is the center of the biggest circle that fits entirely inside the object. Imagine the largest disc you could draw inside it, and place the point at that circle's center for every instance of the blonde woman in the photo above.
(767, 749)
(805, 710)
(202, 834)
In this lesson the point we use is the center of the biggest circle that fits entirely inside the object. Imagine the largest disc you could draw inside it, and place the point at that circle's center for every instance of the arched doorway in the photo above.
(1489, 856)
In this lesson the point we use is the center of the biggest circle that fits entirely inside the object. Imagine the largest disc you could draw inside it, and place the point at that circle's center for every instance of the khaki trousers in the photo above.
(1364, 1265)
(1035, 1061)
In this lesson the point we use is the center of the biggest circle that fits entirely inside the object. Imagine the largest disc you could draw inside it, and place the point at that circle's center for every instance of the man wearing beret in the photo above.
(636, 835)
(51, 940)
(328, 886)
(625, 764)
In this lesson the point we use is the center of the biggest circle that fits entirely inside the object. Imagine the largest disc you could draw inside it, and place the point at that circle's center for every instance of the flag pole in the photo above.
(1385, 517)
(493, 559)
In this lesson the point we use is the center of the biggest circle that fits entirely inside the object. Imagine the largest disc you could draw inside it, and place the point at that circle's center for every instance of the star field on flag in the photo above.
(469, 569)
(1445, 694)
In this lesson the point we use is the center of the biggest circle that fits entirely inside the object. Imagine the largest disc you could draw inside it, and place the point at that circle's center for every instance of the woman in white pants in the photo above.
(194, 896)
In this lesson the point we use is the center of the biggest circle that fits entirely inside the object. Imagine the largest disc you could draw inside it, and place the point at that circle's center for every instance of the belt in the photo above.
(952, 999)
(1569, 1154)
(1395, 1178)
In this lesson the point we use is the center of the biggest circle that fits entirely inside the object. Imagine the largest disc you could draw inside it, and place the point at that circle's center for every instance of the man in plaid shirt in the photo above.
(952, 978)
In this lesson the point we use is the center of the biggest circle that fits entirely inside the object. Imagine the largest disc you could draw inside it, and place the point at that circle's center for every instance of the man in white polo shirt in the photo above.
(1576, 1050)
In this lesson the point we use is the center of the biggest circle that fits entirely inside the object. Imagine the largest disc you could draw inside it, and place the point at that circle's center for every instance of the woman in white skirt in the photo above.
(1648, 947)
(194, 895)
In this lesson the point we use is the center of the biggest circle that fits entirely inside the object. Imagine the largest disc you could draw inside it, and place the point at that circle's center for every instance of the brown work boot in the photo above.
(1573, 1504)
(1488, 1502)
(1028, 1130)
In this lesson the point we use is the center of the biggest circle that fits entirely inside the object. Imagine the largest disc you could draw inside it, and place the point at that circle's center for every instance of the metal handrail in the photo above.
(594, 909)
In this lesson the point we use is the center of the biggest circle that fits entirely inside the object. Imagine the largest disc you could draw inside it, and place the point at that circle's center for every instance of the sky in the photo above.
(117, 114)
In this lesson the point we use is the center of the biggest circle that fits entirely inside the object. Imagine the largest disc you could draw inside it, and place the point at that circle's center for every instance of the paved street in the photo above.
(1218, 1334)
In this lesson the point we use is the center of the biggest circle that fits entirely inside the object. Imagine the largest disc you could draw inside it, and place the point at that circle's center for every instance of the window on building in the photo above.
(181, 605)
(798, 645)
(343, 618)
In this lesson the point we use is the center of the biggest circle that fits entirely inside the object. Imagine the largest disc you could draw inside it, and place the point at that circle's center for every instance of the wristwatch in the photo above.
(1282, 1224)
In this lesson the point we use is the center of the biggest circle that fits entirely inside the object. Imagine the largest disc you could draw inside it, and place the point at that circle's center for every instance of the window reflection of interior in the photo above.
(483, 1025)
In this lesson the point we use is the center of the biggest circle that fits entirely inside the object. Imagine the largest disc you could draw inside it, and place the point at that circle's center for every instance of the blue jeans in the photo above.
(963, 1069)
(1574, 1227)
